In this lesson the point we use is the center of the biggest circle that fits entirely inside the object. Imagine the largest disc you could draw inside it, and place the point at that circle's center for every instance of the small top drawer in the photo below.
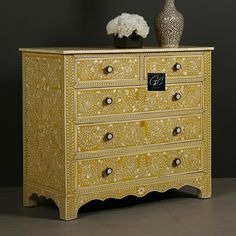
(175, 66)
(111, 68)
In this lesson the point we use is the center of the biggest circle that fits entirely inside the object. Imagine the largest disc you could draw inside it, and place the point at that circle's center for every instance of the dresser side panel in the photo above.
(69, 75)
(207, 125)
(43, 121)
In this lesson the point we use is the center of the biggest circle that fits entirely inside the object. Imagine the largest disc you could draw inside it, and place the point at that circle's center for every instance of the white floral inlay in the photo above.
(141, 191)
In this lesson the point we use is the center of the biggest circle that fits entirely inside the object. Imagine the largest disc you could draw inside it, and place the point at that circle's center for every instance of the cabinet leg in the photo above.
(68, 209)
(30, 200)
(205, 191)
(68, 215)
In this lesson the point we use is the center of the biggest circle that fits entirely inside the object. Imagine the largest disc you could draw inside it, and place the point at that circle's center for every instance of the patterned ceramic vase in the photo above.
(169, 25)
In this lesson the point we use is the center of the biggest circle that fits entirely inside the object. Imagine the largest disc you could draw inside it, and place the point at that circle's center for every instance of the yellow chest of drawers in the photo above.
(93, 130)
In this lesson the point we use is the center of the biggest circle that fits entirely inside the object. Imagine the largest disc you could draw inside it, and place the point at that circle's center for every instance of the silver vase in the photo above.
(169, 25)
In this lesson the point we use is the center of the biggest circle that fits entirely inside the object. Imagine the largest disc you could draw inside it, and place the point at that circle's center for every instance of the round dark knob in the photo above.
(177, 162)
(177, 96)
(108, 171)
(109, 69)
(177, 66)
(108, 101)
(109, 136)
(177, 130)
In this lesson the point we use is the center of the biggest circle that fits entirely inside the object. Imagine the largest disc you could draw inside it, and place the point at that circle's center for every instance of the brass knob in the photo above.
(107, 171)
(109, 69)
(177, 96)
(109, 136)
(177, 162)
(108, 101)
(177, 66)
(177, 130)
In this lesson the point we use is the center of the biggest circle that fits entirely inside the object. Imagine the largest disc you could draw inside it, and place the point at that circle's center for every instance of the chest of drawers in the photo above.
(93, 130)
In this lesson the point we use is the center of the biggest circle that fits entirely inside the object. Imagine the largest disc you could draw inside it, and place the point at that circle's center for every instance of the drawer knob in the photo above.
(109, 69)
(177, 130)
(177, 96)
(177, 66)
(108, 101)
(177, 162)
(109, 136)
(108, 171)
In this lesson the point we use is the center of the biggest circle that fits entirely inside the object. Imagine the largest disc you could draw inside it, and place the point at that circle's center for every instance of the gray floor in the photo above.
(172, 213)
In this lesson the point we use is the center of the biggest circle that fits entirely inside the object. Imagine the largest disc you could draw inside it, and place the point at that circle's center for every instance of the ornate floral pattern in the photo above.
(43, 120)
(91, 102)
(52, 138)
(134, 167)
(190, 65)
(169, 25)
(94, 69)
(138, 133)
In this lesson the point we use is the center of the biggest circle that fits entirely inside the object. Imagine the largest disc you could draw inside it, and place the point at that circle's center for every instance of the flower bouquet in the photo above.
(128, 30)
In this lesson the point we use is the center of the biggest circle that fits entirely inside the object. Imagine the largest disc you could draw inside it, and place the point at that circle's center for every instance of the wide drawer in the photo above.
(134, 167)
(98, 102)
(105, 69)
(175, 66)
(99, 137)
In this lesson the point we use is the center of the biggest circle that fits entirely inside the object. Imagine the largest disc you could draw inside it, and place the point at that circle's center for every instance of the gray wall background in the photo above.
(44, 23)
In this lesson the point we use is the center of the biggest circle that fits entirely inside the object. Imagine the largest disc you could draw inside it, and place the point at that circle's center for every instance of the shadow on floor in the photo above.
(97, 205)
(11, 203)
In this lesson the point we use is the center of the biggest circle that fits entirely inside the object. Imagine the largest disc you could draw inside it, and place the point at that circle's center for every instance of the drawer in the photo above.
(175, 66)
(99, 137)
(98, 102)
(117, 68)
(135, 167)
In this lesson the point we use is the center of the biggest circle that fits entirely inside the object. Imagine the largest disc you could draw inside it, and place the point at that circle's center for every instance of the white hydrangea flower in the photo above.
(125, 24)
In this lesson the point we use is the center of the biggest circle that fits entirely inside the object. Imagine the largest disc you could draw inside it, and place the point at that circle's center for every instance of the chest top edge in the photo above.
(71, 51)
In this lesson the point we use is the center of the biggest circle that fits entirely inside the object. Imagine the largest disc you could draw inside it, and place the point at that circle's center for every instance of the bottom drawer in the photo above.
(132, 167)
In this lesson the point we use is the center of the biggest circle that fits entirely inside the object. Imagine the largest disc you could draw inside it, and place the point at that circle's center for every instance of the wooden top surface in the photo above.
(101, 50)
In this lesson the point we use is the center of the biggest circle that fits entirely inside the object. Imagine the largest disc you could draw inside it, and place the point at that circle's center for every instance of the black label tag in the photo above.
(156, 81)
